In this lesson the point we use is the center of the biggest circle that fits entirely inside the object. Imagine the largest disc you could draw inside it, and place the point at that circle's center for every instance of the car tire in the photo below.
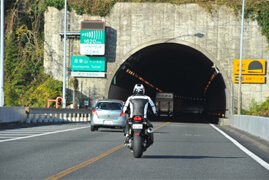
(92, 128)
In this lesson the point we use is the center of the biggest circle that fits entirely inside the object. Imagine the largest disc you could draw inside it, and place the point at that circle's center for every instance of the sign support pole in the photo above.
(64, 60)
(241, 54)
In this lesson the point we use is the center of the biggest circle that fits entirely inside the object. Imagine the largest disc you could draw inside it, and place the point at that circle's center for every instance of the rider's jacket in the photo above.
(139, 105)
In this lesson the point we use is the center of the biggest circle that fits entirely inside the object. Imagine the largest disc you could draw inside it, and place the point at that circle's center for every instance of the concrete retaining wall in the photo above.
(255, 125)
(12, 114)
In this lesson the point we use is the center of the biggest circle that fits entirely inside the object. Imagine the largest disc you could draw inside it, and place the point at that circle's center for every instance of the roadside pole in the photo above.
(2, 99)
(241, 56)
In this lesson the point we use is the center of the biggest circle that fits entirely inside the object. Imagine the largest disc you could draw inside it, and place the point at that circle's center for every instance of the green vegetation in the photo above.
(26, 84)
(256, 109)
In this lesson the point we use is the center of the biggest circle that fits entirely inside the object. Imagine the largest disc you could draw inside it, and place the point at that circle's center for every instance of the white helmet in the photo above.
(139, 89)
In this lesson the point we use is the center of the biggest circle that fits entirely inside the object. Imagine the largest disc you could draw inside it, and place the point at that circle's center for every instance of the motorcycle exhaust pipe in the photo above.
(150, 130)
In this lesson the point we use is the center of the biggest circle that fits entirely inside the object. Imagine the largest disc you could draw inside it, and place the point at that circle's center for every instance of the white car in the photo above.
(108, 114)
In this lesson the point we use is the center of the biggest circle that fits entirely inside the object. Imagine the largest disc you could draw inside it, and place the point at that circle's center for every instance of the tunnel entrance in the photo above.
(197, 85)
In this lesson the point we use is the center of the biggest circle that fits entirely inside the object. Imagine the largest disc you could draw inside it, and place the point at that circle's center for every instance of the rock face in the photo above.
(133, 26)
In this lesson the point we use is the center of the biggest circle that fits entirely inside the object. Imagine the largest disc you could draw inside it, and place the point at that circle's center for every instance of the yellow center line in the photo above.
(90, 161)
(81, 165)
(162, 125)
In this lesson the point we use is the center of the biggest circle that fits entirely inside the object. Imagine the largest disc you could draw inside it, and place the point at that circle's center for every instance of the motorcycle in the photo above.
(141, 136)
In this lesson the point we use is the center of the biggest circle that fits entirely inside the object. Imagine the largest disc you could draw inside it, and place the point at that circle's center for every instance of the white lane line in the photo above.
(25, 132)
(17, 134)
(252, 155)
(43, 134)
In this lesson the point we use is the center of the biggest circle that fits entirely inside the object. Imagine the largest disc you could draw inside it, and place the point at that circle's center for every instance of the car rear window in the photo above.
(109, 106)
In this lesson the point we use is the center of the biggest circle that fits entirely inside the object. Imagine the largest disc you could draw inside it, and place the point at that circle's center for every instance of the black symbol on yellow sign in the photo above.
(255, 67)
(250, 66)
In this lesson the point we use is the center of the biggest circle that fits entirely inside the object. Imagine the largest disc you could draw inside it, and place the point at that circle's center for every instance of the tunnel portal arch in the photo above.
(178, 66)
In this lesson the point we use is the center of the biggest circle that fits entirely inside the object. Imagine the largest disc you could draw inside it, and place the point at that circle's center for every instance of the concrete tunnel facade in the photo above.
(177, 49)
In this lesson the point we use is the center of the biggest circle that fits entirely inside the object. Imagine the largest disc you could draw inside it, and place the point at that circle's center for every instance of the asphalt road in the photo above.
(72, 151)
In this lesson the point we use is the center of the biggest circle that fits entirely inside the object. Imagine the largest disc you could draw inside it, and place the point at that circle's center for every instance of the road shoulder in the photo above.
(257, 145)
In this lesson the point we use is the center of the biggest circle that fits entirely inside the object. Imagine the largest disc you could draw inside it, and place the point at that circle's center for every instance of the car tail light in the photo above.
(94, 112)
(137, 118)
(122, 114)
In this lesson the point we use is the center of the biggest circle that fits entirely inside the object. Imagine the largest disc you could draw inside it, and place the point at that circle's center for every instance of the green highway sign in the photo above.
(92, 42)
(88, 63)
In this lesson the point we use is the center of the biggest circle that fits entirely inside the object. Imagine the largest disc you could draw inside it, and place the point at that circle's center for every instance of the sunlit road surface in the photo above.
(72, 151)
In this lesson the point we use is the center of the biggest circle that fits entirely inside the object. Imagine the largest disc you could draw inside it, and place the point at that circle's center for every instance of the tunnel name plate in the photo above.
(87, 74)
(88, 63)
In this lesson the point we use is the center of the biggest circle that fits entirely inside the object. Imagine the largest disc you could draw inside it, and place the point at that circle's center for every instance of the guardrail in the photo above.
(50, 115)
(43, 115)
(255, 125)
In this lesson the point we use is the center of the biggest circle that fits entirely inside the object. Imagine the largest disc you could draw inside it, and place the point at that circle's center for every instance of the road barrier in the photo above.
(255, 125)
(12, 114)
(43, 115)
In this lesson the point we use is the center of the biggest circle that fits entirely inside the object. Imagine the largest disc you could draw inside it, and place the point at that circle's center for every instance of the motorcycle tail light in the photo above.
(137, 118)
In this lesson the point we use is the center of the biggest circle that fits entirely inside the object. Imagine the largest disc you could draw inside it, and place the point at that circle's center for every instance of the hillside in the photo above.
(26, 84)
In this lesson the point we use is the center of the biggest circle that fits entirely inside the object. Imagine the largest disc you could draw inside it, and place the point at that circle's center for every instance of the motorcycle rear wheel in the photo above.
(137, 146)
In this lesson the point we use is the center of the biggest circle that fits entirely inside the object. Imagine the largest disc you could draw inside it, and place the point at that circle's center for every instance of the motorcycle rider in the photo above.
(138, 103)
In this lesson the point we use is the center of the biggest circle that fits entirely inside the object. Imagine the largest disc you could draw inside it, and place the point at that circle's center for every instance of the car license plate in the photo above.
(108, 122)
(137, 126)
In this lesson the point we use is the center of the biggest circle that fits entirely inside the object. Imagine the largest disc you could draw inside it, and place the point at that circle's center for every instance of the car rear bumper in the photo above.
(108, 123)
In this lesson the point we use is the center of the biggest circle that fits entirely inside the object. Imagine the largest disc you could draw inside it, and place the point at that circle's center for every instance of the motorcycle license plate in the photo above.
(137, 126)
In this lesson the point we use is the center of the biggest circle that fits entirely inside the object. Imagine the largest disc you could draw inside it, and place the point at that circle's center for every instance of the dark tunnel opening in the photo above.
(197, 86)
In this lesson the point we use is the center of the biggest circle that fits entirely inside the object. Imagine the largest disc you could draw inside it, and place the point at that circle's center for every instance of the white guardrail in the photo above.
(255, 125)
(43, 115)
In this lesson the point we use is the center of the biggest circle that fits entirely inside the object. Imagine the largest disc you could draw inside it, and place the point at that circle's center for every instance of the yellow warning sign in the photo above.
(250, 66)
(249, 79)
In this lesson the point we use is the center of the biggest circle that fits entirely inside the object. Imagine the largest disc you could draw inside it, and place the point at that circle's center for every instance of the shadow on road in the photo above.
(186, 157)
